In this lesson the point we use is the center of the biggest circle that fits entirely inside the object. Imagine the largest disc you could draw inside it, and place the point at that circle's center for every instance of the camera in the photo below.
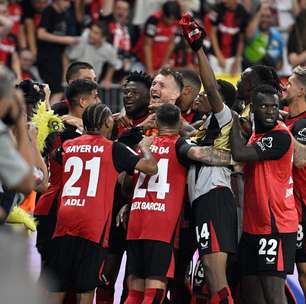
(33, 92)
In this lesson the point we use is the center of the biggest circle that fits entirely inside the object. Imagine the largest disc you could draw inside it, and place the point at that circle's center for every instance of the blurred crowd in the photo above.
(39, 38)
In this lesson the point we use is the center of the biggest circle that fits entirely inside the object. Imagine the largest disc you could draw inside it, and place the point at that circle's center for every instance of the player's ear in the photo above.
(82, 102)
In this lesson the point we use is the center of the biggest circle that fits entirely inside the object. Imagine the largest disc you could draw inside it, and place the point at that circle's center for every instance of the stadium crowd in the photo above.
(199, 178)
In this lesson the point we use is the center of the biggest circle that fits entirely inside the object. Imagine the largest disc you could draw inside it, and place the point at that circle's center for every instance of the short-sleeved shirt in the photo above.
(54, 140)
(10, 160)
(161, 33)
(119, 36)
(97, 57)
(29, 12)
(262, 45)
(55, 23)
(269, 205)
(230, 24)
(203, 178)
(158, 199)
(91, 164)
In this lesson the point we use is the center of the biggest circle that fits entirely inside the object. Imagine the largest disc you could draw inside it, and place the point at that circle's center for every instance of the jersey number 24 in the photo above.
(156, 183)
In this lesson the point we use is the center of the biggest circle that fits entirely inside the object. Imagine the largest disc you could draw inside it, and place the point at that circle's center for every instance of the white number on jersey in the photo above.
(157, 183)
(76, 164)
(272, 243)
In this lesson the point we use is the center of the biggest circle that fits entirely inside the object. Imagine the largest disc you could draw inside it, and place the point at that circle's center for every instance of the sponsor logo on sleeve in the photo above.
(265, 143)
(302, 135)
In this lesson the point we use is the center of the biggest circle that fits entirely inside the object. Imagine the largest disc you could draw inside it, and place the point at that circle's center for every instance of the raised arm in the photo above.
(194, 35)
(147, 164)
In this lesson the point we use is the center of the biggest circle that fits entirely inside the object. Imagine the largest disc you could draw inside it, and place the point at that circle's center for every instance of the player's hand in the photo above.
(192, 31)
(122, 216)
(146, 143)
(149, 122)
(74, 121)
(123, 120)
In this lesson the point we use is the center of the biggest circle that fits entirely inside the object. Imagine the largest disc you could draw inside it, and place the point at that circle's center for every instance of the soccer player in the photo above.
(267, 246)
(295, 95)
(91, 165)
(166, 86)
(154, 216)
(213, 206)
(136, 98)
(79, 93)
(192, 86)
(76, 70)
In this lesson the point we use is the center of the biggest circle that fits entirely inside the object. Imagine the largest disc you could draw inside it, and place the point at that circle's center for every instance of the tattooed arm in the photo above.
(210, 156)
(188, 153)
(299, 156)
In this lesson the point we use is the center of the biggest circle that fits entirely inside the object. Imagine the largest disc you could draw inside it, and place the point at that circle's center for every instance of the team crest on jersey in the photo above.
(265, 143)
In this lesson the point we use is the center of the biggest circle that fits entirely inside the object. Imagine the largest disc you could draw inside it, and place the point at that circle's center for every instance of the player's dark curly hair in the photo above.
(262, 89)
(267, 75)
(79, 88)
(95, 116)
(141, 77)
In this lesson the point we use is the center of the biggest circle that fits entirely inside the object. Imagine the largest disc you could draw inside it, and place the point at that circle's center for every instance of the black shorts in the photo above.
(74, 263)
(146, 258)
(300, 256)
(271, 254)
(215, 221)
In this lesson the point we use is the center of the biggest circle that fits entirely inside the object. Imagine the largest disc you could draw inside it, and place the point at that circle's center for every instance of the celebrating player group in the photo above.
(191, 169)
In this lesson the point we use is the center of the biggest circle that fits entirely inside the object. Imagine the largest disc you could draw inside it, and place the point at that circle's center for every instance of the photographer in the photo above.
(16, 160)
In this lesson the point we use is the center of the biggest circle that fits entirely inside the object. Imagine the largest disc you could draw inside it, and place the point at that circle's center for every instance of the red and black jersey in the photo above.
(7, 49)
(230, 24)
(191, 116)
(29, 12)
(161, 33)
(158, 199)
(91, 164)
(53, 142)
(119, 34)
(297, 126)
(269, 205)
(135, 122)
(15, 13)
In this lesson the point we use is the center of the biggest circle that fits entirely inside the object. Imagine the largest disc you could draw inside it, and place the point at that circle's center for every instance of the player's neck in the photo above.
(76, 113)
(167, 131)
(297, 107)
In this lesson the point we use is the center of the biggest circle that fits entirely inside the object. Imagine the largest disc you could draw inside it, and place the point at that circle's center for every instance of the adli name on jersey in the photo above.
(75, 202)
